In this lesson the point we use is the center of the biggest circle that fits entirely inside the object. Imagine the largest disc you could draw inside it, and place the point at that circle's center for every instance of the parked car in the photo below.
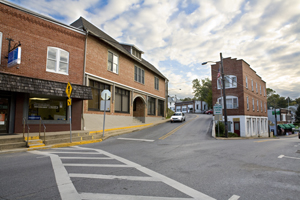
(177, 117)
(209, 112)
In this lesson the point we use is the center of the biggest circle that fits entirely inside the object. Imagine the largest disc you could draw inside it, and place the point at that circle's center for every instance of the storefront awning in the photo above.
(287, 126)
(281, 126)
(14, 83)
(292, 125)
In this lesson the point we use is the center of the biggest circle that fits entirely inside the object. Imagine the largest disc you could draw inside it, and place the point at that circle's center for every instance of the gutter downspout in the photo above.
(83, 80)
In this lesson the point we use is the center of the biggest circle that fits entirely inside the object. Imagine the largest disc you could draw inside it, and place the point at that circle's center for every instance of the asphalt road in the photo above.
(168, 161)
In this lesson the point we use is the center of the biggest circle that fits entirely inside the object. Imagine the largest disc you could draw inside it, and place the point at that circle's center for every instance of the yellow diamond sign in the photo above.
(69, 89)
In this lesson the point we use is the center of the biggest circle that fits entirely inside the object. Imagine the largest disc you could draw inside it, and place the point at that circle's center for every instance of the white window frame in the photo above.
(246, 82)
(140, 73)
(247, 103)
(232, 84)
(113, 62)
(0, 45)
(256, 88)
(260, 89)
(57, 60)
(156, 83)
(232, 102)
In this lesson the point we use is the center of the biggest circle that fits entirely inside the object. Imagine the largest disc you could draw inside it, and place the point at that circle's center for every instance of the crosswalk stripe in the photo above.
(98, 196)
(87, 158)
(100, 176)
(94, 165)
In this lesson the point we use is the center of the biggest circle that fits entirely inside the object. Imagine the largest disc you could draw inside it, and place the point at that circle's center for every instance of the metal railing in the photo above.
(42, 122)
(24, 124)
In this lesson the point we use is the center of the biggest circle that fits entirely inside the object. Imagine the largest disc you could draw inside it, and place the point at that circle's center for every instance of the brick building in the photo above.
(52, 54)
(246, 98)
(138, 89)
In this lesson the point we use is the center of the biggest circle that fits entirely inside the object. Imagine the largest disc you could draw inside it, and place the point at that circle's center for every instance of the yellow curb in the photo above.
(113, 129)
(75, 143)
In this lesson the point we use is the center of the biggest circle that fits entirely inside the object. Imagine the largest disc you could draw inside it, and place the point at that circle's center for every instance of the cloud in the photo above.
(264, 33)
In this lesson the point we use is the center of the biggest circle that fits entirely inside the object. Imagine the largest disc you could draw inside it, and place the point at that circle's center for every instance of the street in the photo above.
(167, 161)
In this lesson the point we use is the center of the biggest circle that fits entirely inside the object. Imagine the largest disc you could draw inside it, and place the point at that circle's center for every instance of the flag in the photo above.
(219, 74)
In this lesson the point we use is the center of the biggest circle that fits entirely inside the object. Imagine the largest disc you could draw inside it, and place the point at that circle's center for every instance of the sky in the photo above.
(176, 36)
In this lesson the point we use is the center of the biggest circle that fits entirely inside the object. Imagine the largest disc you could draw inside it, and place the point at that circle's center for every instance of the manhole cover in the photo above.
(298, 151)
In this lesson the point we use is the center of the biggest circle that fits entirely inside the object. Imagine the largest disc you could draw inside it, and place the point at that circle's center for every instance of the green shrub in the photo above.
(169, 113)
(222, 129)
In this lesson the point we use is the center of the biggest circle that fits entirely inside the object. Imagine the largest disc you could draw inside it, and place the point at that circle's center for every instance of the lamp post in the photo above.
(224, 94)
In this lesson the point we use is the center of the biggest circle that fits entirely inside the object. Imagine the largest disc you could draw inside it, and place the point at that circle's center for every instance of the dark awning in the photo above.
(281, 126)
(14, 83)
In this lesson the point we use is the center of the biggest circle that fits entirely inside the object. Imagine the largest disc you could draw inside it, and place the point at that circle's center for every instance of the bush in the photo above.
(221, 127)
(169, 113)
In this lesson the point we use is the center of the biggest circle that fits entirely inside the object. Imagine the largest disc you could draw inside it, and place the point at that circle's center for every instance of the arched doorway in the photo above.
(139, 108)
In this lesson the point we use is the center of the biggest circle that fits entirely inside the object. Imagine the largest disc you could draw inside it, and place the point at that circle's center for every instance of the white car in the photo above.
(177, 117)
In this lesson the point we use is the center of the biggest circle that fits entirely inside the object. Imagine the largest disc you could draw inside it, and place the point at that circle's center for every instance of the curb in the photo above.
(138, 128)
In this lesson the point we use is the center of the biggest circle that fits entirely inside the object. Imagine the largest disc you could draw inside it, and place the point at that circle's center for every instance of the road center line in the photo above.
(134, 139)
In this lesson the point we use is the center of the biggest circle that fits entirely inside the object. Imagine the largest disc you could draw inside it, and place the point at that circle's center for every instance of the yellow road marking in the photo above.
(176, 129)
(113, 129)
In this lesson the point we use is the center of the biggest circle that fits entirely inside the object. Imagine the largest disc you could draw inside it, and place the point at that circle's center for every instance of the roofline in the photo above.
(43, 17)
(132, 46)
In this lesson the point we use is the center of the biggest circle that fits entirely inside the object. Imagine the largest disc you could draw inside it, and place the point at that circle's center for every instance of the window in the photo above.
(253, 104)
(122, 100)
(47, 108)
(252, 85)
(260, 89)
(256, 88)
(160, 108)
(151, 106)
(57, 60)
(113, 62)
(257, 105)
(265, 107)
(97, 103)
(156, 83)
(264, 91)
(261, 108)
(136, 53)
(247, 103)
(0, 45)
(139, 75)
(246, 82)
(231, 102)
(230, 82)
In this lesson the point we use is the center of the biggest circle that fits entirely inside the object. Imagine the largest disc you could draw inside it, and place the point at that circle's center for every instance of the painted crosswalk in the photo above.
(80, 154)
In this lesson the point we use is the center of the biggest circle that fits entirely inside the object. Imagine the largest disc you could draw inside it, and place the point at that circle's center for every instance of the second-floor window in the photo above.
(256, 88)
(253, 104)
(139, 75)
(231, 102)
(260, 89)
(252, 85)
(247, 103)
(113, 62)
(257, 105)
(230, 82)
(57, 60)
(156, 83)
(246, 82)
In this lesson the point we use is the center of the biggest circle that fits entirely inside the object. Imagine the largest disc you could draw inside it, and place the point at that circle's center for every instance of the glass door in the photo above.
(4, 112)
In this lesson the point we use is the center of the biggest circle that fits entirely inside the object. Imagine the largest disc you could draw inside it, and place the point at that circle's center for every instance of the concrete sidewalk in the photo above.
(107, 134)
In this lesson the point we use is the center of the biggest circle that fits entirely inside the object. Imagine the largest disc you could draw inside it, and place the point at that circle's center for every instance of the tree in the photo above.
(186, 99)
(273, 100)
(298, 114)
(270, 92)
(202, 90)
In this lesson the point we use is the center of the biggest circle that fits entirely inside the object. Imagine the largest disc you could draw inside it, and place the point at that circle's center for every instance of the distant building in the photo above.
(191, 106)
(172, 101)
(246, 98)
(283, 116)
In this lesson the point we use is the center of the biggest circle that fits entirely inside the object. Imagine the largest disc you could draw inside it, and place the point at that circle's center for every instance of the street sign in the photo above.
(69, 90)
(69, 102)
(108, 94)
(217, 109)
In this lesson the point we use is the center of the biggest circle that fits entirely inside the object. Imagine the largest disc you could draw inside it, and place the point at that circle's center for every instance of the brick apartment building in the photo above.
(246, 98)
(52, 54)
(138, 89)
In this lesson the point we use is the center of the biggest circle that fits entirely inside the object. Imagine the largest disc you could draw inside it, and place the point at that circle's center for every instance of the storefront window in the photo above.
(47, 108)
(97, 103)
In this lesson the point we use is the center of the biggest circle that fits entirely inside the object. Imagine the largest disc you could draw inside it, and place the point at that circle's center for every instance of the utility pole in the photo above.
(224, 97)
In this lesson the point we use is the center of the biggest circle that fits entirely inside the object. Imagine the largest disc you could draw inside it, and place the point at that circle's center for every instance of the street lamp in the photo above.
(224, 95)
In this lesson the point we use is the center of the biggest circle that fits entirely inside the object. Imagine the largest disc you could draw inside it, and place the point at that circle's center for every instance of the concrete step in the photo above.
(13, 145)
(11, 140)
(35, 143)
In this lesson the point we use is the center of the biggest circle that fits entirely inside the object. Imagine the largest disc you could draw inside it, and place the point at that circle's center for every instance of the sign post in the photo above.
(69, 103)
(105, 94)
(218, 115)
